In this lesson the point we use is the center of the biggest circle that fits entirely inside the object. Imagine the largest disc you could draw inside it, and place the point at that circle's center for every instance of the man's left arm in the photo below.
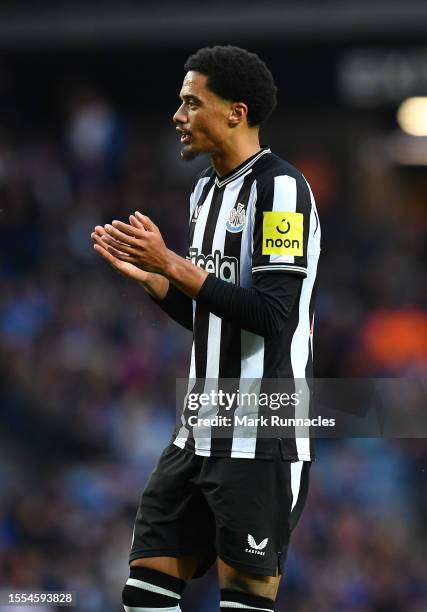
(261, 309)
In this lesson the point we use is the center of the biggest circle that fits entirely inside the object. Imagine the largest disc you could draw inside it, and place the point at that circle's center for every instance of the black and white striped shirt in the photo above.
(258, 219)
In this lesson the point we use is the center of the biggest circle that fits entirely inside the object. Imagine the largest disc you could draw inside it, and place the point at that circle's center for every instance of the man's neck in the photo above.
(229, 159)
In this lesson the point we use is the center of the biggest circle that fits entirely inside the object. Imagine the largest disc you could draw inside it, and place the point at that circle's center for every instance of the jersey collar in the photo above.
(244, 167)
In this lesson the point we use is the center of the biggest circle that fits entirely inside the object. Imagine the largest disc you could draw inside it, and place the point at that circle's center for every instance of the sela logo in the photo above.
(256, 549)
(236, 220)
(225, 268)
(282, 233)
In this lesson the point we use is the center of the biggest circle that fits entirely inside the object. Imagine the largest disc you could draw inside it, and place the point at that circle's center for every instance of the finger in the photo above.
(103, 243)
(135, 223)
(116, 263)
(105, 254)
(99, 230)
(110, 253)
(118, 245)
(101, 240)
(125, 228)
(121, 236)
(96, 235)
(120, 255)
(148, 224)
(102, 249)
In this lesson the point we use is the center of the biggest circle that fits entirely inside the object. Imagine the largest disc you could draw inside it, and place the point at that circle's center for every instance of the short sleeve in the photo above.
(281, 225)
(197, 197)
(197, 190)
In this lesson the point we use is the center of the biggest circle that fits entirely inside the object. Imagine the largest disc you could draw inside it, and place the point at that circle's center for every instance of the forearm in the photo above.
(262, 309)
(173, 302)
(178, 306)
(184, 275)
(156, 285)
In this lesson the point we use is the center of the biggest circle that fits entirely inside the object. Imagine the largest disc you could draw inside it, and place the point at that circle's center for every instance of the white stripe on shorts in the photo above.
(296, 469)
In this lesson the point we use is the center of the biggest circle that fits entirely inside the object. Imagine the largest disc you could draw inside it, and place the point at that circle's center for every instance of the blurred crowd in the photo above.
(88, 365)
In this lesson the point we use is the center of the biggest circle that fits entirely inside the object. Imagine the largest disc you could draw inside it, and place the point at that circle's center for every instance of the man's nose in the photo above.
(180, 116)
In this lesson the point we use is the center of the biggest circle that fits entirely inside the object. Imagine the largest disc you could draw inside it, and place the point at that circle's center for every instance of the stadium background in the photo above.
(88, 363)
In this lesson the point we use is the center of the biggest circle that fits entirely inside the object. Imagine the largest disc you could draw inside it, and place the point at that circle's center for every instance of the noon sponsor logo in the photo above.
(282, 233)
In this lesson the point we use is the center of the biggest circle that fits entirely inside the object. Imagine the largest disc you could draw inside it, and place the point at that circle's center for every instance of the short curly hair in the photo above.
(238, 75)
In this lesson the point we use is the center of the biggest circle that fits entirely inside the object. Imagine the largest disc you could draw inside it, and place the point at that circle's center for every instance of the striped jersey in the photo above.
(259, 218)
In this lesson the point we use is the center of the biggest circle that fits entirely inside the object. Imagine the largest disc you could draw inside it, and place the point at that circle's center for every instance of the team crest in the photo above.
(236, 220)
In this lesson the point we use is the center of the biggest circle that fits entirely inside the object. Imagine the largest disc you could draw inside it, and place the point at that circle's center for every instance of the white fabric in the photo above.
(296, 469)
(133, 609)
(235, 604)
(147, 586)
(284, 200)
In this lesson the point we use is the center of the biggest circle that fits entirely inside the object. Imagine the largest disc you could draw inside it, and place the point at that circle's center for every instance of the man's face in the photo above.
(202, 120)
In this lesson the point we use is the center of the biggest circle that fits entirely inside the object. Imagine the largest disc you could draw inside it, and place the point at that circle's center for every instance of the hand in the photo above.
(140, 244)
(138, 251)
(113, 255)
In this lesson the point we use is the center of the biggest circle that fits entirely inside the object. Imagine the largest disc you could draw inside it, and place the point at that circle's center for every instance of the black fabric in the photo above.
(140, 597)
(161, 579)
(262, 309)
(178, 306)
(247, 599)
(211, 507)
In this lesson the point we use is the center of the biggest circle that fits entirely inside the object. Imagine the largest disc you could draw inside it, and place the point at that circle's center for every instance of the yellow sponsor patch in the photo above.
(282, 233)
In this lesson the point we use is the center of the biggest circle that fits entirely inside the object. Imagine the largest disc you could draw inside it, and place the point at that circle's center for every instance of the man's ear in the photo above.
(238, 114)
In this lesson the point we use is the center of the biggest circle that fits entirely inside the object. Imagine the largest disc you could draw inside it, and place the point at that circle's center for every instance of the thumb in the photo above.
(146, 221)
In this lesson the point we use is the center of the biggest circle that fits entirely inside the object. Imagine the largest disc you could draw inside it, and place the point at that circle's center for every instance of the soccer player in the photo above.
(246, 290)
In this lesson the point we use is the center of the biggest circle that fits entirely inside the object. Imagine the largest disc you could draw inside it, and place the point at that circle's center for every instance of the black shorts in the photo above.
(241, 510)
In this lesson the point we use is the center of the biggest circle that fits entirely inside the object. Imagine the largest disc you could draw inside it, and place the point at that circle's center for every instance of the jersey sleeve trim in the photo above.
(279, 266)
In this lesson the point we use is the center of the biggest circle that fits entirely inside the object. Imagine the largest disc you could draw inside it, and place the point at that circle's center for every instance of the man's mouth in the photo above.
(185, 135)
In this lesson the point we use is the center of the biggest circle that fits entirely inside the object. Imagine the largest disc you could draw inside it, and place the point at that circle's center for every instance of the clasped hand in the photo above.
(140, 243)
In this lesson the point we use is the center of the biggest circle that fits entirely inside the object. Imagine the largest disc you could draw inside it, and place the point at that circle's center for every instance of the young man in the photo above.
(246, 290)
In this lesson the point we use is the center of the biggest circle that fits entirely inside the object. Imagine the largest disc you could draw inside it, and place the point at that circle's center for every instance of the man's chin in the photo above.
(188, 154)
